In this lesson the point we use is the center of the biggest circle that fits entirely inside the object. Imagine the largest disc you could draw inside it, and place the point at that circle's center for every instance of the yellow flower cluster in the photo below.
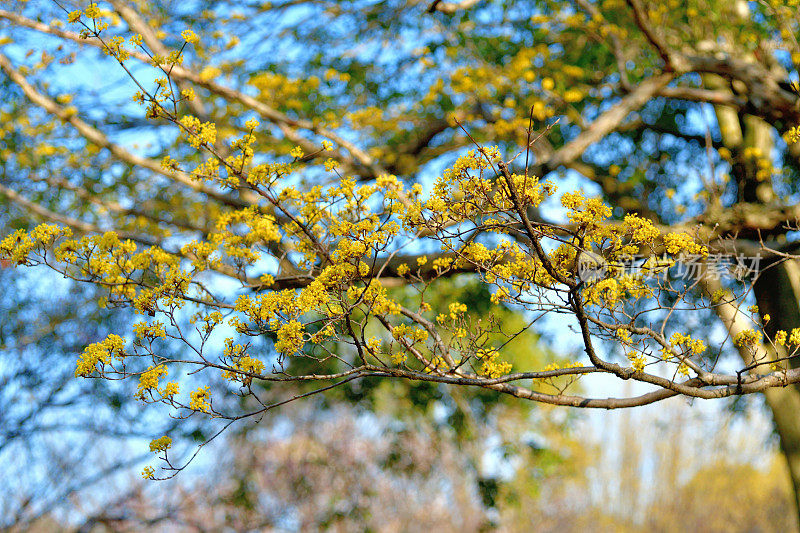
(238, 235)
(462, 192)
(374, 345)
(609, 292)
(793, 135)
(695, 346)
(160, 444)
(290, 337)
(492, 366)
(208, 73)
(720, 295)
(398, 358)
(189, 36)
(239, 363)
(148, 380)
(637, 361)
(92, 11)
(108, 261)
(143, 330)
(683, 243)
(100, 353)
(200, 399)
(558, 366)
(199, 132)
(170, 389)
(115, 47)
(17, 246)
(747, 337)
(414, 334)
(792, 340)
(457, 309)
(585, 212)
(624, 335)
(641, 229)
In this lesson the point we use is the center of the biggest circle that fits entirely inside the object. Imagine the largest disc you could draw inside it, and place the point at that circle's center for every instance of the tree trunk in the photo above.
(785, 406)
(784, 403)
(777, 288)
(777, 293)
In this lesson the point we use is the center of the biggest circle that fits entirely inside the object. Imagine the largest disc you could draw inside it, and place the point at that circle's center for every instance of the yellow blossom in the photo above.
(189, 36)
(492, 366)
(148, 380)
(200, 399)
(92, 11)
(160, 444)
(101, 352)
(748, 337)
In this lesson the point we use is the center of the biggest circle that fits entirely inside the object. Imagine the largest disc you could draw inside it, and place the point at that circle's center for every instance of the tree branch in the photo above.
(607, 122)
(100, 139)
